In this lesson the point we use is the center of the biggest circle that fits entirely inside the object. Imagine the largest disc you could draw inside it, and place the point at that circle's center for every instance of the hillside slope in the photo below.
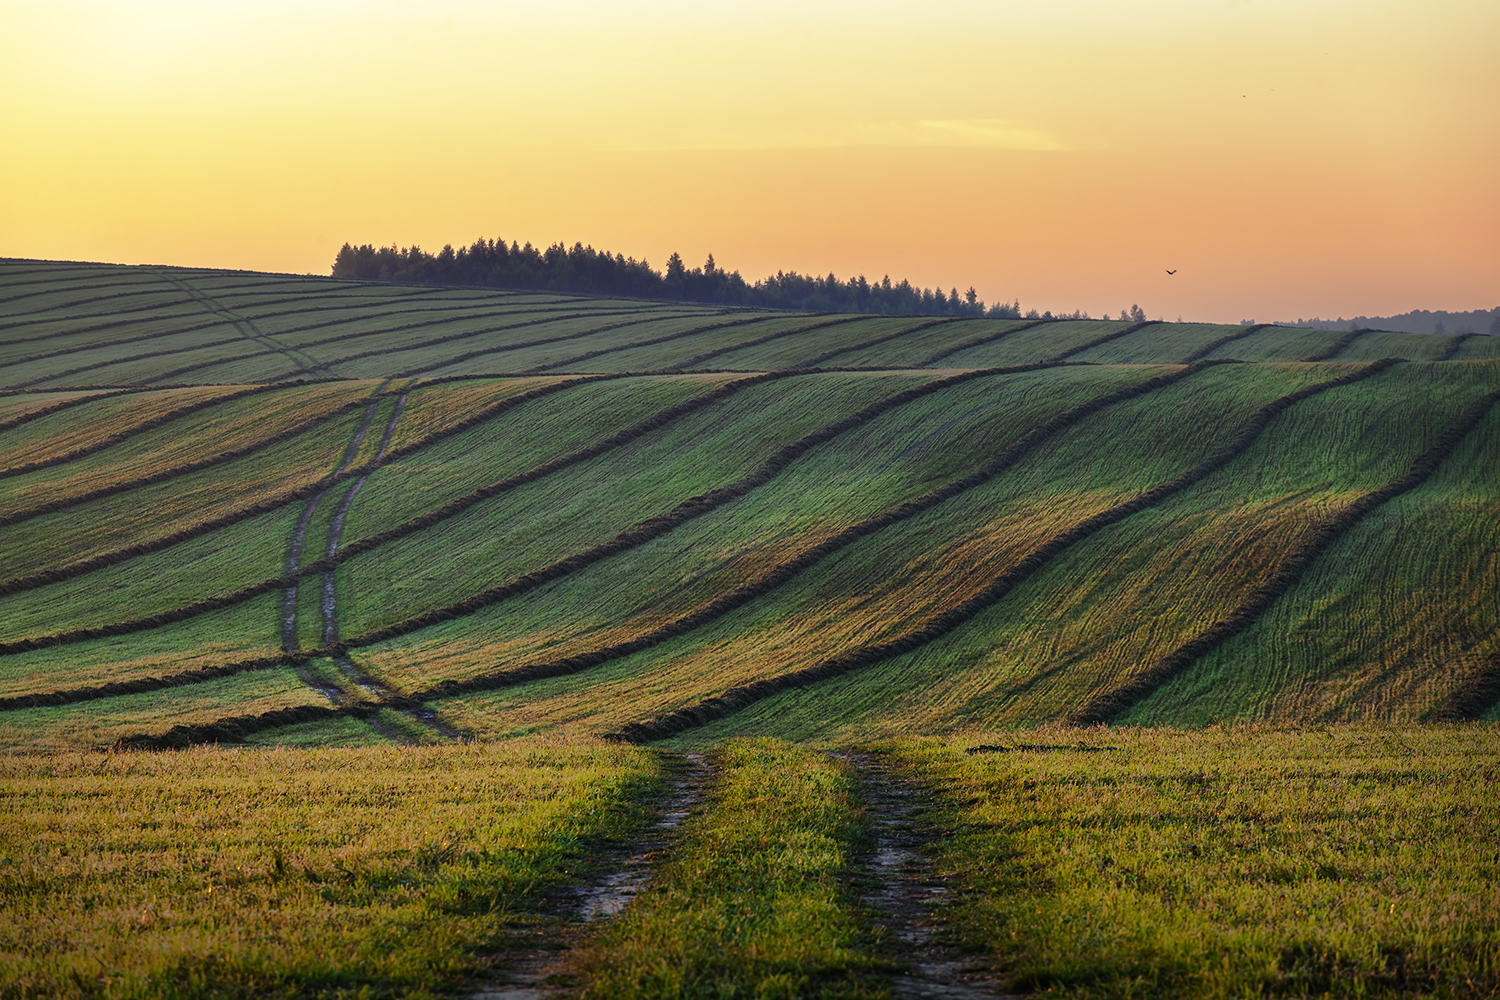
(242, 506)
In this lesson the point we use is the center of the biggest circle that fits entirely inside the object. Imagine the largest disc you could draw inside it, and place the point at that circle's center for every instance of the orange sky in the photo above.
(1288, 157)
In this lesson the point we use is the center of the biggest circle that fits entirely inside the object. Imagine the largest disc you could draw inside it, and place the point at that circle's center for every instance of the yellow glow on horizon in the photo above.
(1288, 158)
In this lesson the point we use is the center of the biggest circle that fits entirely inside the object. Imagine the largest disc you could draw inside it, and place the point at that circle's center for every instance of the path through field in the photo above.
(603, 892)
(902, 887)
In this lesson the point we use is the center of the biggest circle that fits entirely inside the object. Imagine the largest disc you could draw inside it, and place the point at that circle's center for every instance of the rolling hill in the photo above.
(239, 506)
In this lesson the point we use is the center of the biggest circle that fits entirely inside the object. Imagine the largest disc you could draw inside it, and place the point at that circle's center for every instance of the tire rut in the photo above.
(290, 642)
(741, 696)
(1111, 704)
(248, 329)
(907, 894)
(532, 971)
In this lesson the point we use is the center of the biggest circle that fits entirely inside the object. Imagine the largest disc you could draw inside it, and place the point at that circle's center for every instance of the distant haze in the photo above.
(1416, 321)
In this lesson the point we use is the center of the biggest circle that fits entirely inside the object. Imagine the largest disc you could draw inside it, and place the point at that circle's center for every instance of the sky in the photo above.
(1288, 158)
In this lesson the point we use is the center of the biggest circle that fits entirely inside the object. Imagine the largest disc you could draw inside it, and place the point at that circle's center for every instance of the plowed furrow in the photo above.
(1111, 704)
(1214, 345)
(137, 430)
(103, 560)
(988, 338)
(740, 697)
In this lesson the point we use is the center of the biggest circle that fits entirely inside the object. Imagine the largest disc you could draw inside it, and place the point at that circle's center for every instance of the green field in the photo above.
(232, 503)
(462, 575)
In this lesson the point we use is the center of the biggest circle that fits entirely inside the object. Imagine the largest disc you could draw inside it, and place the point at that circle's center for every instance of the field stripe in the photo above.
(1106, 338)
(790, 569)
(633, 537)
(1338, 346)
(114, 489)
(71, 571)
(1452, 347)
(698, 359)
(1474, 696)
(503, 348)
(451, 509)
(988, 338)
(52, 376)
(741, 696)
(66, 404)
(830, 355)
(138, 429)
(81, 302)
(1214, 345)
(590, 355)
(1109, 705)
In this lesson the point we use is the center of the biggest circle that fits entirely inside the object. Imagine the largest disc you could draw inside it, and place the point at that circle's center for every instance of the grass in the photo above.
(754, 901)
(294, 872)
(1346, 862)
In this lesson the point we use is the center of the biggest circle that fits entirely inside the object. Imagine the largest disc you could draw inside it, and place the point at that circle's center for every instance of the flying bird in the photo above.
(1172, 272)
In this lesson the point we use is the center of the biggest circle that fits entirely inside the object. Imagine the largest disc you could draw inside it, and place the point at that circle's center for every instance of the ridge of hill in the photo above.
(265, 507)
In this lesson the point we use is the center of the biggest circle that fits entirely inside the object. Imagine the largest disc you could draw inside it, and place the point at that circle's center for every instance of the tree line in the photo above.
(579, 268)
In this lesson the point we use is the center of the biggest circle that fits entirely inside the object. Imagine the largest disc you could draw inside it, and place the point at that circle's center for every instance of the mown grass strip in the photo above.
(1455, 343)
(786, 571)
(1214, 345)
(66, 404)
(177, 471)
(1109, 705)
(632, 537)
(72, 570)
(698, 359)
(755, 902)
(248, 329)
(1474, 696)
(1338, 346)
(138, 429)
(470, 334)
(988, 338)
(1106, 338)
(653, 318)
(590, 355)
(741, 696)
(144, 356)
(830, 355)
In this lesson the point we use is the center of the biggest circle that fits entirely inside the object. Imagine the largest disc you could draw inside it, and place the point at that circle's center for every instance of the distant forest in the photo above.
(493, 264)
(1439, 322)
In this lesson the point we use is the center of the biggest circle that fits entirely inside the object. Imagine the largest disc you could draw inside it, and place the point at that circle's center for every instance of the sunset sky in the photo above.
(1287, 157)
